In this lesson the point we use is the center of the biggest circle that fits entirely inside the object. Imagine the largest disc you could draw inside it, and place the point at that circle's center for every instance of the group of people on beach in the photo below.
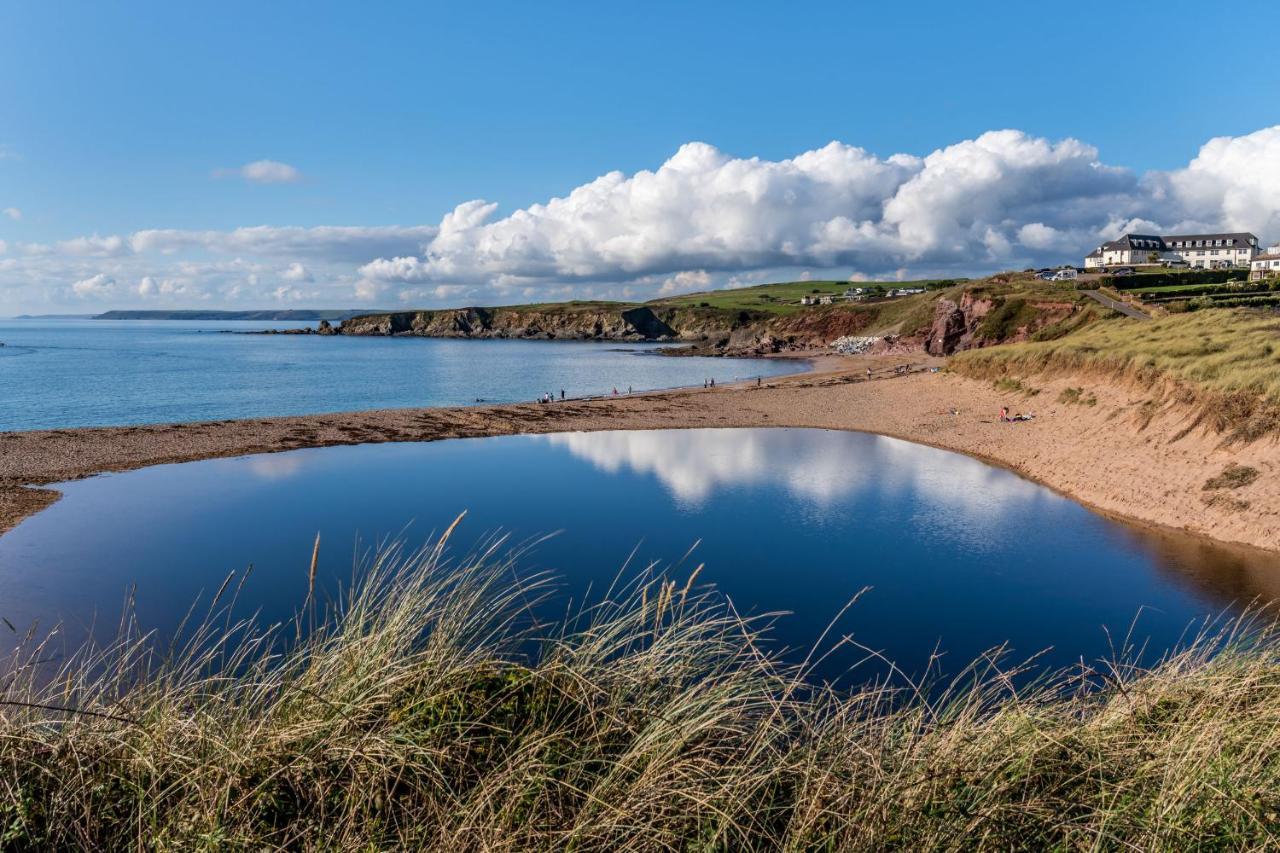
(550, 396)
(1006, 418)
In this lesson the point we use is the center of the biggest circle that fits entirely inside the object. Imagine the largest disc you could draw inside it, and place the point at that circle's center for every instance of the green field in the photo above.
(784, 297)
(773, 298)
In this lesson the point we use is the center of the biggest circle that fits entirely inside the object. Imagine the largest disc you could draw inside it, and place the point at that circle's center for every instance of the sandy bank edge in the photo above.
(1106, 456)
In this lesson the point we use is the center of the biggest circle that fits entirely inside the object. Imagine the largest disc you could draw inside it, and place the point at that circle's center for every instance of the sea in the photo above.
(82, 373)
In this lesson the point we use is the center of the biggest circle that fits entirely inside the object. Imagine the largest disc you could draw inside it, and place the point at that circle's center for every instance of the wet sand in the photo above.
(1108, 455)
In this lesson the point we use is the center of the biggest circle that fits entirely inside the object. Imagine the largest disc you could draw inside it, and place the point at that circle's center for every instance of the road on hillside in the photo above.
(1116, 305)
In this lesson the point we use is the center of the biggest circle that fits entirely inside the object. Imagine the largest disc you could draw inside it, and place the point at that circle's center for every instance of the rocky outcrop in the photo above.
(954, 324)
(950, 327)
(977, 320)
(532, 323)
(569, 322)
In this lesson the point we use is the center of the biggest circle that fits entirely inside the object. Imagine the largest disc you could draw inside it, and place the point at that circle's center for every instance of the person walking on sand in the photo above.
(562, 394)
(759, 380)
(628, 390)
(713, 382)
(868, 374)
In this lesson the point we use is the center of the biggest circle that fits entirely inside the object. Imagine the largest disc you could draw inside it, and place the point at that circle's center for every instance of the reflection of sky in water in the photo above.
(816, 468)
(955, 552)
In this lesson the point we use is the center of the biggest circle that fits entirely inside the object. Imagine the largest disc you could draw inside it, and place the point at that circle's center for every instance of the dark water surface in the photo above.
(959, 556)
(75, 373)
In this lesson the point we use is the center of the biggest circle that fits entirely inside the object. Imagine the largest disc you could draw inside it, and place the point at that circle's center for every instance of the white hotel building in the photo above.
(1204, 251)
(1265, 265)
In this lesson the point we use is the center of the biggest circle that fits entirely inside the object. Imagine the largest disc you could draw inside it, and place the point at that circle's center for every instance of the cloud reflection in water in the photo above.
(815, 467)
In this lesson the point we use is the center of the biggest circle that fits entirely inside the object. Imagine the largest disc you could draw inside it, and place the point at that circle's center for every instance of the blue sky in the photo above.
(119, 117)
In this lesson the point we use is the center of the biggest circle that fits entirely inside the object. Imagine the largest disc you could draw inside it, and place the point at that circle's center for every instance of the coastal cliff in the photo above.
(570, 322)
(976, 318)
(705, 330)
(1005, 308)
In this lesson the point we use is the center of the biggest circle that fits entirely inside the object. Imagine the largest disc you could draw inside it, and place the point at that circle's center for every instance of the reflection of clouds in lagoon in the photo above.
(817, 467)
(275, 466)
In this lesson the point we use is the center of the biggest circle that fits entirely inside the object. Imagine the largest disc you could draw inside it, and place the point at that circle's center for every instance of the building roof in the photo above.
(1159, 243)
(1238, 236)
(1135, 241)
(1267, 256)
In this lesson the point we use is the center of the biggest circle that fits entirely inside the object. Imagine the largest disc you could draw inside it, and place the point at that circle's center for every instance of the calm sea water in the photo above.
(954, 555)
(75, 373)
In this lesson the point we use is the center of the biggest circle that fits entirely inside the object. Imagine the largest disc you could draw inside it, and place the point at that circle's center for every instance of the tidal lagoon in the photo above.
(950, 555)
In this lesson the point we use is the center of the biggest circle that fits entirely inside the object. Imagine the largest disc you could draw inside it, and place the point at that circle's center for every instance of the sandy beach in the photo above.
(1111, 455)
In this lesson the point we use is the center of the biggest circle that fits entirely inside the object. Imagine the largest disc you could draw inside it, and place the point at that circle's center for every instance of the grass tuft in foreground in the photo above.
(413, 715)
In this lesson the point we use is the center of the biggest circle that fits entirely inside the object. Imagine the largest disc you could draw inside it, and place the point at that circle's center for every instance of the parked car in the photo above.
(1122, 271)
(1045, 275)
(1064, 275)
(1175, 263)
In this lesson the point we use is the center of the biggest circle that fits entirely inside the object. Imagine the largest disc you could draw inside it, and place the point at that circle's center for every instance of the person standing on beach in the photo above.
(713, 381)
(759, 380)
(562, 394)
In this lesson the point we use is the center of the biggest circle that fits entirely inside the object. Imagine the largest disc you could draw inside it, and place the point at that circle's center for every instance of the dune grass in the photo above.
(428, 709)
(1226, 362)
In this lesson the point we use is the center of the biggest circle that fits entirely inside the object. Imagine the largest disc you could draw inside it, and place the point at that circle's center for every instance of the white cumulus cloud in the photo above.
(13, 213)
(1233, 183)
(326, 242)
(1003, 199)
(95, 286)
(685, 281)
(296, 272)
(264, 172)
(702, 219)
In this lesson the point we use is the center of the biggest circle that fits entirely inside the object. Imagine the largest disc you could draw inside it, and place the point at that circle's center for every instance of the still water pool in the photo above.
(955, 555)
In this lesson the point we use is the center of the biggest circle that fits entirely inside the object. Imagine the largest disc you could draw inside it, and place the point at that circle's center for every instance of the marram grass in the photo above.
(430, 710)
(1224, 362)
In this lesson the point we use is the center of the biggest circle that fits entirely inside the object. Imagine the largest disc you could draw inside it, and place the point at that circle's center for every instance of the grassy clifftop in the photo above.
(1224, 361)
(766, 317)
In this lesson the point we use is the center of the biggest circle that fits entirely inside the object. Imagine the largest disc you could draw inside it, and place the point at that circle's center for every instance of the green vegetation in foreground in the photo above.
(409, 718)
(1228, 359)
